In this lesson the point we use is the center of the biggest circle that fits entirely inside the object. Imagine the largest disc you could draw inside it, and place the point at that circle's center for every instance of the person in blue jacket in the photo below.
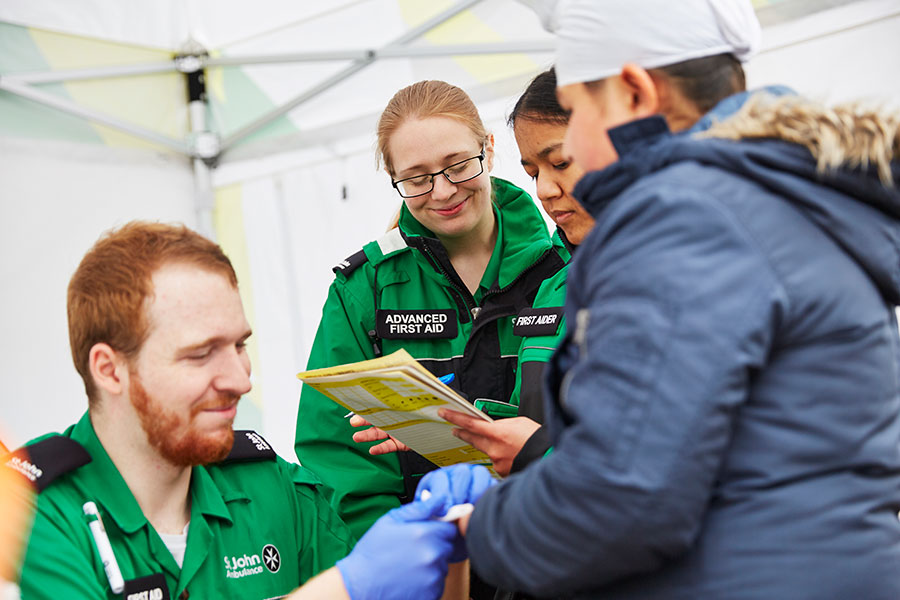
(725, 409)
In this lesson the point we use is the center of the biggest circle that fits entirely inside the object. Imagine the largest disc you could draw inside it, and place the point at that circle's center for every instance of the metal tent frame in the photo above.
(205, 147)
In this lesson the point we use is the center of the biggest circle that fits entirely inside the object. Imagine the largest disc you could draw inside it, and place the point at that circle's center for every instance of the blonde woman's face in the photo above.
(422, 146)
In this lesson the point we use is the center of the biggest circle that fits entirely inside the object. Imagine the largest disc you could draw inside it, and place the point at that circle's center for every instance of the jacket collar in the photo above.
(522, 235)
(636, 138)
(112, 493)
(640, 146)
(559, 239)
(849, 204)
(635, 135)
(730, 105)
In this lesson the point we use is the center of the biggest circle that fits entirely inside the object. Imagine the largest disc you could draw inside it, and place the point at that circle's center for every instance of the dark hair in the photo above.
(704, 81)
(708, 80)
(538, 102)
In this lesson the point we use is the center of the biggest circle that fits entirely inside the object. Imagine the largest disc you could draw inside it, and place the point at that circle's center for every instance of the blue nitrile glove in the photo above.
(403, 556)
(457, 484)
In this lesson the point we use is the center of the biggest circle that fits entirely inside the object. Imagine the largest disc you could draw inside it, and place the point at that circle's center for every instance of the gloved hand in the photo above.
(457, 484)
(403, 556)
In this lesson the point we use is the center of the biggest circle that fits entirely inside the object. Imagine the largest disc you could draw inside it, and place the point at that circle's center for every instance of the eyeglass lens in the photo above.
(458, 173)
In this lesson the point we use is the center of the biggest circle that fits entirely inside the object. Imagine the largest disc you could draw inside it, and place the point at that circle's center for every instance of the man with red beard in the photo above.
(152, 495)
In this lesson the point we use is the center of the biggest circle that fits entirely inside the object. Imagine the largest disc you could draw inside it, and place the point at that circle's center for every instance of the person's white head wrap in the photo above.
(596, 38)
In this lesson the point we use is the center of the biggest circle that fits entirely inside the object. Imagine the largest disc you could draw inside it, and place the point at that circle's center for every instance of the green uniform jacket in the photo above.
(408, 270)
(259, 526)
(538, 344)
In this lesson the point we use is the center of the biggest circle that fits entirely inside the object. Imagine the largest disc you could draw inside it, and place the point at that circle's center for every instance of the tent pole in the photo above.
(386, 52)
(204, 143)
(93, 73)
(358, 65)
(39, 77)
(27, 91)
(203, 199)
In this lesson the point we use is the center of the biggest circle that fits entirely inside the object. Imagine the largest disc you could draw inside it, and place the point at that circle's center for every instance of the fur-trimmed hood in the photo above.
(839, 166)
(846, 136)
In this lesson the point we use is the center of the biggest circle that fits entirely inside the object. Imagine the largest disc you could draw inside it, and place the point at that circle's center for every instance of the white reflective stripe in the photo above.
(391, 241)
(460, 356)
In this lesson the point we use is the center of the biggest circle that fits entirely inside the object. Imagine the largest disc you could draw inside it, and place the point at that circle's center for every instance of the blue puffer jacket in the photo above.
(725, 411)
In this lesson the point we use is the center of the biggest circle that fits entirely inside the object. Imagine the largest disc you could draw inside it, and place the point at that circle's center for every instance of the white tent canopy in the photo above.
(277, 163)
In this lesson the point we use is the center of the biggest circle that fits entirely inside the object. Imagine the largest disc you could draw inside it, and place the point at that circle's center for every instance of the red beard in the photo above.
(180, 445)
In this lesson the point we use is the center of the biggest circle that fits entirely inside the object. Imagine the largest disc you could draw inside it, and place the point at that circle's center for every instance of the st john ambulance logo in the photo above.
(271, 558)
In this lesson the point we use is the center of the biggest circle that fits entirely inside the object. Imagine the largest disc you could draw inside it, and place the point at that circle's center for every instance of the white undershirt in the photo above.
(9, 590)
(176, 543)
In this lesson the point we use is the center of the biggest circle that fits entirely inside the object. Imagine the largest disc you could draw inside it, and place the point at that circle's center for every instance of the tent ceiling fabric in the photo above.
(167, 24)
(272, 101)
(240, 96)
(236, 25)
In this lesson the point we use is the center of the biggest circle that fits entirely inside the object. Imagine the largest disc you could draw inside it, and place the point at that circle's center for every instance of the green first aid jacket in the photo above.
(541, 331)
(259, 526)
(373, 304)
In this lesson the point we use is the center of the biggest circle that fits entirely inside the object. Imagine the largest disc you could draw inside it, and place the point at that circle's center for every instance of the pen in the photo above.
(98, 532)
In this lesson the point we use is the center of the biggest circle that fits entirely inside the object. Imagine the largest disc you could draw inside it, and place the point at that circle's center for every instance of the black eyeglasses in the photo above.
(460, 172)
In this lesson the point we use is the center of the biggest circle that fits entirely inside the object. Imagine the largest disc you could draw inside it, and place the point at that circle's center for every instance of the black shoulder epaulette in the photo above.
(42, 462)
(351, 263)
(249, 445)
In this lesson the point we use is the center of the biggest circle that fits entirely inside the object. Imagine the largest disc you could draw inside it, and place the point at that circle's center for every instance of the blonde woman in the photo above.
(470, 252)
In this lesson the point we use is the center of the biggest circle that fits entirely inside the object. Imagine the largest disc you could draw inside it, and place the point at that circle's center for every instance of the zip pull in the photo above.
(376, 343)
(475, 311)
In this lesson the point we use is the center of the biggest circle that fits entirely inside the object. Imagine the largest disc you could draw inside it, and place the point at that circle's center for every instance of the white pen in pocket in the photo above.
(104, 548)
(455, 513)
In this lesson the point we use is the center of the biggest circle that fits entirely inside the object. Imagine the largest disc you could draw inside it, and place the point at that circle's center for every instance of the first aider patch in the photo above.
(533, 322)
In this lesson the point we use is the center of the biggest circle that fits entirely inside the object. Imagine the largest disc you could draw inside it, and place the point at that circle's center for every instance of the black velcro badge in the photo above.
(44, 461)
(151, 587)
(249, 445)
(416, 324)
(349, 264)
(538, 321)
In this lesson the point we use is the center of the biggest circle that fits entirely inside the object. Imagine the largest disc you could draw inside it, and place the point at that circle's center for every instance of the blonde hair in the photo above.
(847, 135)
(430, 98)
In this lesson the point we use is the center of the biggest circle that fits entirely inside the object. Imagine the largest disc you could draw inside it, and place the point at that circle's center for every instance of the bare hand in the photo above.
(501, 440)
(463, 522)
(372, 434)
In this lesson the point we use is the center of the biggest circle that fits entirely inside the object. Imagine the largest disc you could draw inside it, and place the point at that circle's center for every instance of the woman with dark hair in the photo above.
(539, 125)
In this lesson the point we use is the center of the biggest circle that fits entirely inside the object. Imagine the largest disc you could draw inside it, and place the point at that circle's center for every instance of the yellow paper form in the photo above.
(397, 394)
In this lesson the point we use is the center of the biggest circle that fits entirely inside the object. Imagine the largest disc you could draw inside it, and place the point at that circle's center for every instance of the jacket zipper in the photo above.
(522, 274)
(517, 277)
(465, 296)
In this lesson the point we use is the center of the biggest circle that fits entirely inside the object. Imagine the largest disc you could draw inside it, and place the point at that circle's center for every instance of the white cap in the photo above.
(596, 38)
